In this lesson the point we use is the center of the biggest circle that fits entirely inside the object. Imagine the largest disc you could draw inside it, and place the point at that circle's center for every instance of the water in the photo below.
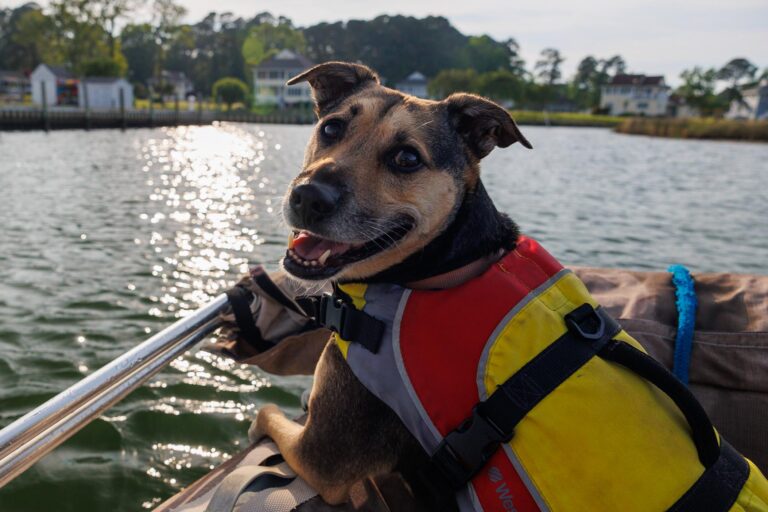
(108, 236)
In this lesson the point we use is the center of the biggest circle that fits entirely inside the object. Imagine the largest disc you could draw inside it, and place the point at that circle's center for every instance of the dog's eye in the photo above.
(332, 130)
(407, 160)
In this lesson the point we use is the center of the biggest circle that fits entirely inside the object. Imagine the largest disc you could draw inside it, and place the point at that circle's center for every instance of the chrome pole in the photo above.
(29, 438)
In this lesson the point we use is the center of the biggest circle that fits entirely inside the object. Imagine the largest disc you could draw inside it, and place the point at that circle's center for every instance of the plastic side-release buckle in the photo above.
(464, 451)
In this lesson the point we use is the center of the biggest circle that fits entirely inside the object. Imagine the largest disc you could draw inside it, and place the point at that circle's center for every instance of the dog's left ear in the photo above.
(332, 81)
(482, 123)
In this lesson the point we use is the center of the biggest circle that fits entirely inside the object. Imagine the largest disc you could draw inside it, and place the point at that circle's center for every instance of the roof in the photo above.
(637, 80)
(286, 59)
(414, 78)
(59, 71)
(102, 79)
(13, 75)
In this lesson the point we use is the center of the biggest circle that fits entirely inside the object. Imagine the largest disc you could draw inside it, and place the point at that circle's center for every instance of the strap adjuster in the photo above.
(585, 321)
(350, 324)
(464, 451)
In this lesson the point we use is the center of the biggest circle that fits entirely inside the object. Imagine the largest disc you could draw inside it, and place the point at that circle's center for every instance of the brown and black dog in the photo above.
(390, 191)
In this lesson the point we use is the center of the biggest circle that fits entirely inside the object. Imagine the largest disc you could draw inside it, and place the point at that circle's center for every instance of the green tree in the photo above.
(698, 90)
(104, 67)
(736, 71)
(33, 39)
(266, 39)
(483, 54)
(453, 80)
(230, 90)
(548, 66)
(141, 50)
(501, 86)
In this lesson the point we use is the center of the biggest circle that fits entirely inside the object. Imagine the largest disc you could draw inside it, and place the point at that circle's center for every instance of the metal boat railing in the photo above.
(31, 437)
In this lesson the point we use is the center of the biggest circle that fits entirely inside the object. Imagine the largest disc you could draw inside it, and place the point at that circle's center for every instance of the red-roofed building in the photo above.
(641, 95)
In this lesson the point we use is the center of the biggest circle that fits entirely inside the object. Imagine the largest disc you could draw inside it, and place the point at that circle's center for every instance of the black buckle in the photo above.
(464, 451)
(579, 320)
(333, 314)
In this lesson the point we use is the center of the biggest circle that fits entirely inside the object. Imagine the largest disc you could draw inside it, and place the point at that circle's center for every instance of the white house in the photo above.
(59, 86)
(104, 93)
(635, 95)
(679, 108)
(753, 104)
(415, 84)
(269, 79)
(179, 86)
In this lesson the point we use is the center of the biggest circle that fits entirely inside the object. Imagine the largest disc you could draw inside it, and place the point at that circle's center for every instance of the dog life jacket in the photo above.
(530, 398)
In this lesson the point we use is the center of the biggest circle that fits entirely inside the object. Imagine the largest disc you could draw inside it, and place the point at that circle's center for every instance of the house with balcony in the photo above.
(638, 95)
(269, 79)
(753, 103)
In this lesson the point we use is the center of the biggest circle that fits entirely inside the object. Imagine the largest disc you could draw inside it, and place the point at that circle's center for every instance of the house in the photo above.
(678, 107)
(635, 95)
(753, 104)
(269, 79)
(105, 93)
(172, 84)
(54, 86)
(14, 86)
(415, 84)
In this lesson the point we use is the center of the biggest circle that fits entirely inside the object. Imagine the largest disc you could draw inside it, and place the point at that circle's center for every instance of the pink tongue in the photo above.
(310, 247)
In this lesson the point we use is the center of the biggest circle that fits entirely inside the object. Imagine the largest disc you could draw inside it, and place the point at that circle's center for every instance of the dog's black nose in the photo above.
(314, 201)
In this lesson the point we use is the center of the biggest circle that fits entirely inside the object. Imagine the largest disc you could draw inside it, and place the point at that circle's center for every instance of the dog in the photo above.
(390, 191)
(468, 334)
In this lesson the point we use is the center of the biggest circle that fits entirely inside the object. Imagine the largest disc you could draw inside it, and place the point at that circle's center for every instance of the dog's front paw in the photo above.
(259, 427)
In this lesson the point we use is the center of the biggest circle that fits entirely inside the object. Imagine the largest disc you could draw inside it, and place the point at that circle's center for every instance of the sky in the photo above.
(654, 36)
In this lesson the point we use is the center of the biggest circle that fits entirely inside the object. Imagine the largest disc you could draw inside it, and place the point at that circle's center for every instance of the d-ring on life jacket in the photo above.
(529, 397)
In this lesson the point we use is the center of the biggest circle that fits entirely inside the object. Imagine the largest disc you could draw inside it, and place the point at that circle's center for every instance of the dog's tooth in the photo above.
(313, 263)
(305, 263)
(322, 259)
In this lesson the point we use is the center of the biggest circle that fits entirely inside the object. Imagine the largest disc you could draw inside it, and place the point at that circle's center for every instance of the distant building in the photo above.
(104, 93)
(753, 104)
(13, 86)
(58, 84)
(172, 84)
(269, 79)
(415, 84)
(635, 95)
(678, 107)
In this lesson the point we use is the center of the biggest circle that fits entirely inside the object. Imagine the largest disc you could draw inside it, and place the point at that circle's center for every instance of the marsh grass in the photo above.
(696, 128)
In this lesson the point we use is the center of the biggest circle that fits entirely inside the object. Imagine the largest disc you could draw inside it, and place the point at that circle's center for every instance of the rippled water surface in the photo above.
(107, 236)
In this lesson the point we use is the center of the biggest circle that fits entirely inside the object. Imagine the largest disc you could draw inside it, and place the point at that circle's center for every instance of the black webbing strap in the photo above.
(240, 299)
(351, 324)
(464, 452)
(640, 363)
(718, 488)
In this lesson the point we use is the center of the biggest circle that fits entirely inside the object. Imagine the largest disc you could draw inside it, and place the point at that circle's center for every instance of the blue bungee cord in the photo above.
(686, 320)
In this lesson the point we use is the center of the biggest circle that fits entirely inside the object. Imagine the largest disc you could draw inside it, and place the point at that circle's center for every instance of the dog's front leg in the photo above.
(349, 434)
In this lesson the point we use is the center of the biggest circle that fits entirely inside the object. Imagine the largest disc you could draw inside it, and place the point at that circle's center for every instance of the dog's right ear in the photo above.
(332, 81)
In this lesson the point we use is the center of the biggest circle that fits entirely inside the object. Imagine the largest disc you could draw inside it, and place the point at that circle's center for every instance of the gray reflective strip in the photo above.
(426, 420)
(481, 365)
(535, 494)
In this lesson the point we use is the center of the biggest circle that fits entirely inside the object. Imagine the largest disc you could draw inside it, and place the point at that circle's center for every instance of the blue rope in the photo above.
(686, 319)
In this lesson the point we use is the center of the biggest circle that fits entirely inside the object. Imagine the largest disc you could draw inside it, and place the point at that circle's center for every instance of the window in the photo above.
(642, 105)
(261, 74)
(275, 74)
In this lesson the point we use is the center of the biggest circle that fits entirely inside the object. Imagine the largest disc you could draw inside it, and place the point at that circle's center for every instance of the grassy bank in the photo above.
(537, 118)
(696, 128)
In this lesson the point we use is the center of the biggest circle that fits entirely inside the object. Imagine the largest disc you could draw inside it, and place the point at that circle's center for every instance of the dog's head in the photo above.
(384, 172)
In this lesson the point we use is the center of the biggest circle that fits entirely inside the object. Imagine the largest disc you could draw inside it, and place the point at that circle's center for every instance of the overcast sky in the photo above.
(653, 36)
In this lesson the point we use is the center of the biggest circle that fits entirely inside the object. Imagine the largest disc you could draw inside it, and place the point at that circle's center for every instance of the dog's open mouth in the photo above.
(313, 257)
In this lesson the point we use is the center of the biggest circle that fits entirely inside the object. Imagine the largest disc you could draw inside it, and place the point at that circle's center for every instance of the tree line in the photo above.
(83, 35)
